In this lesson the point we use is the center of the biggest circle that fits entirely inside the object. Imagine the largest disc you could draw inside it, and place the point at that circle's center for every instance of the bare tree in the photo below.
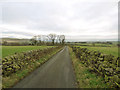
(43, 39)
(47, 39)
(62, 39)
(39, 39)
(57, 38)
(34, 40)
(5, 42)
(52, 37)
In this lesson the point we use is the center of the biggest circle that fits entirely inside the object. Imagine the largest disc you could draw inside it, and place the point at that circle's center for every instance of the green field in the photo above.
(106, 50)
(10, 50)
(102, 44)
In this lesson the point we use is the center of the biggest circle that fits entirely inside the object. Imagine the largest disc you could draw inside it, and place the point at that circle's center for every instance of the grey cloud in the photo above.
(55, 17)
(18, 33)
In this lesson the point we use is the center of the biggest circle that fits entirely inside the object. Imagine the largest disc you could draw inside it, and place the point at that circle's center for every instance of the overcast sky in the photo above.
(77, 19)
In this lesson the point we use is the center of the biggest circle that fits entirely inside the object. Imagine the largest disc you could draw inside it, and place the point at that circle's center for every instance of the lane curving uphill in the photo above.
(55, 73)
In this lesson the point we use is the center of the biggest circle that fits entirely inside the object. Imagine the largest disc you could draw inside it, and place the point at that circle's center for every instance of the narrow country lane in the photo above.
(55, 73)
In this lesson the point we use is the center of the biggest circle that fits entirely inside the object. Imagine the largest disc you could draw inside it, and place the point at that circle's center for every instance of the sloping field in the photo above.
(14, 40)
(105, 50)
(10, 50)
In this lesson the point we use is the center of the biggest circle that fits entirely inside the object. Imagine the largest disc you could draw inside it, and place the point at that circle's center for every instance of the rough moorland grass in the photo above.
(106, 50)
(85, 79)
(10, 50)
(10, 81)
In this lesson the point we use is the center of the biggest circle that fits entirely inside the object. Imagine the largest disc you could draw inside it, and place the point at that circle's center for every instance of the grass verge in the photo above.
(85, 78)
(8, 82)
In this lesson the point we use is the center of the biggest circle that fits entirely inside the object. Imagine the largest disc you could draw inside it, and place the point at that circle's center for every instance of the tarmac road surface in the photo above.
(55, 73)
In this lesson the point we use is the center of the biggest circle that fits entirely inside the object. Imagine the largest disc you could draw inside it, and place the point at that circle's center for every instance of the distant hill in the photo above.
(11, 40)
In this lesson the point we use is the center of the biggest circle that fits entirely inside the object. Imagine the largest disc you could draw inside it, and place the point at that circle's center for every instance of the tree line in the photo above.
(50, 39)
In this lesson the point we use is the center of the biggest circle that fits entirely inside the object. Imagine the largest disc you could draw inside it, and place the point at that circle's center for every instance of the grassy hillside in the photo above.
(14, 40)
(10, 50)
(105, 50)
